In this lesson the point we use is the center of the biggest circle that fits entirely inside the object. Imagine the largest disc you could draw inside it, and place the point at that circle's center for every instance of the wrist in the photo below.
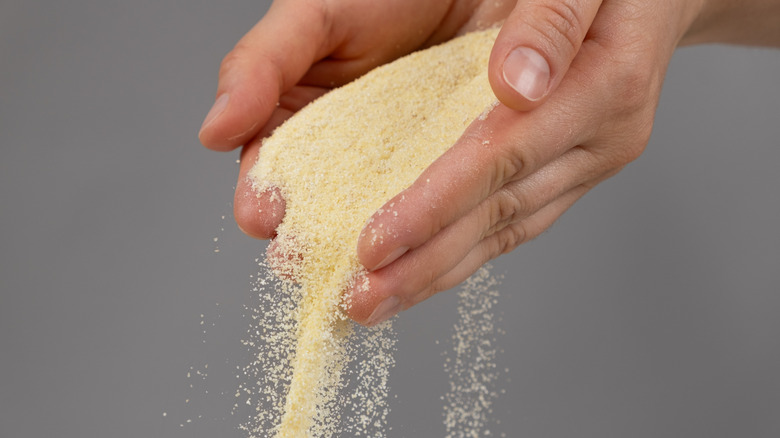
(747, 22)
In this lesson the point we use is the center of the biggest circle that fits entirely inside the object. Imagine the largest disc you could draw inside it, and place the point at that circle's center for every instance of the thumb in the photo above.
(535, 47)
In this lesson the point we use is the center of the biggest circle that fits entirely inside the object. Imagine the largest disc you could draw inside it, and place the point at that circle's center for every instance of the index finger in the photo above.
(267, 62)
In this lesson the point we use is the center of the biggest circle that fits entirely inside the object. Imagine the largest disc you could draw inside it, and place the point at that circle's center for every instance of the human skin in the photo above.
(578, 82)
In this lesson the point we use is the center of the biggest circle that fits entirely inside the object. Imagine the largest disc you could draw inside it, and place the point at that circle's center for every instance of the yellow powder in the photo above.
(471, 365)
(336, 162)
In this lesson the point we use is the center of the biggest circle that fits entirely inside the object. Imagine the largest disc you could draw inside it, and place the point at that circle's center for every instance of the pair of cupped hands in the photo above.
(578, 82)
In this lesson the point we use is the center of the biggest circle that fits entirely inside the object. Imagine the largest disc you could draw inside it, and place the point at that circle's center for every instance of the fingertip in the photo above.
(391, 257)
(233, 121)
(382, 240)
(527, 72)
(217, 109)
(388, 308)
(520, 78)
(215, 141)
(359, 299)
(440, 195)
(284, 259)
(258, 214)
(367, 304)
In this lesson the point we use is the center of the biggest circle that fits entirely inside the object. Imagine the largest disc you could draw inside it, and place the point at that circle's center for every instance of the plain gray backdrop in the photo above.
(651, 309)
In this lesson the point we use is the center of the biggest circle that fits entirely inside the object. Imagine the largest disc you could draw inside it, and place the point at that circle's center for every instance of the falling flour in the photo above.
(335, 163)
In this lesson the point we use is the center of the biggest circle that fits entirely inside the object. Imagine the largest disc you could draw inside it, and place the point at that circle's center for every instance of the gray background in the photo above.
(651, 309)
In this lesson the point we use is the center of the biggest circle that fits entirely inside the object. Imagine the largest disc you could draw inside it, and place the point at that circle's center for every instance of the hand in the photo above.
(600, 67)
(597, 66)
(299, 51)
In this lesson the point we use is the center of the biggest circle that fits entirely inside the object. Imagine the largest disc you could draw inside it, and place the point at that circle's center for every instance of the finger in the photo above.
(505, 238)
(505, 146)
(267, 62)
(502, 242)
(535, 47)
(501, 239)
(420, 268)
(259, 213)
(284, 258)
(397, 283)
(387, 295)
(589, 102)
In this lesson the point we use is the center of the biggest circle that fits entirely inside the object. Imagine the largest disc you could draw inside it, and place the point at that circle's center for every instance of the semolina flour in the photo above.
(335, 163)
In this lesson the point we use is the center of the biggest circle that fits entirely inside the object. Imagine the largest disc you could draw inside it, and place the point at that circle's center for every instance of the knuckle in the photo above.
(636, 146)
(421, 286)
(247, 58)
(624, 148)
(631, 152)
(246, 61)
(506, 168)
(510, 238)
(512, 162)
(627, 131)
(232, 61)
(634, 87)
(507, 207)
(635, 81)
(426, 293)
(559, 24)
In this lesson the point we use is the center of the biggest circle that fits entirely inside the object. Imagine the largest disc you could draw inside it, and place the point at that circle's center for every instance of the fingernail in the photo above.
(384, 311)
(527, 72)
(219, 105)
(393, 256)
